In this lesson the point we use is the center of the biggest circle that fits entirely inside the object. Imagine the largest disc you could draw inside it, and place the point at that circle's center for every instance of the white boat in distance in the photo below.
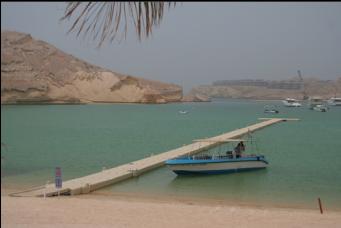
(320, 108)
(334, 101)
(290, 102)
(314, 101)
(183, 111)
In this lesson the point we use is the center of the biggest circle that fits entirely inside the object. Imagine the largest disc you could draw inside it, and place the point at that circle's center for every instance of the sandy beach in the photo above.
(126, 211)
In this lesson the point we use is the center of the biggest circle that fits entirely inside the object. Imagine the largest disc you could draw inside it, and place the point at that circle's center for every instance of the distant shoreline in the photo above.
(143, 103)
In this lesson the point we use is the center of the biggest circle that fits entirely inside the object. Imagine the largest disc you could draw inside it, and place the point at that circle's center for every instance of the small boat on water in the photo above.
(316, 104)
(334, 101)
(233, 161)
(207, 164)
(270, 109)
(314, 101)
(290, 102)
(320, 108)
(183, 111)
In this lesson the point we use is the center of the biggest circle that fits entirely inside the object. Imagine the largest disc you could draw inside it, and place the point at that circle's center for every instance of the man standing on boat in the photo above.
(239, 149)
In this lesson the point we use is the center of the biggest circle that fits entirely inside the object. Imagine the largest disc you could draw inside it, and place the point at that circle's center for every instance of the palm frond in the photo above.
(108, 19)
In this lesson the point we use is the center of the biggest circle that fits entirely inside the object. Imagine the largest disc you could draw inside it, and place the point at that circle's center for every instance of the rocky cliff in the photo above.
(33, 71)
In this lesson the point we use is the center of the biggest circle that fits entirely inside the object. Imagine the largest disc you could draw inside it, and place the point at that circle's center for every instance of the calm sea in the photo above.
(304, 156)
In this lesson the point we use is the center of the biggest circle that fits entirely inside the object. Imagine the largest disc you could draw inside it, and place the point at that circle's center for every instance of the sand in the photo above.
(126, 211)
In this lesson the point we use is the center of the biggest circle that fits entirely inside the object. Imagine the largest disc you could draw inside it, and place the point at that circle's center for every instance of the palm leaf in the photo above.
(104, 20)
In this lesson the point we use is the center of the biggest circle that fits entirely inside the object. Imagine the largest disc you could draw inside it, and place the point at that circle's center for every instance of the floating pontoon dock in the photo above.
(107, 177)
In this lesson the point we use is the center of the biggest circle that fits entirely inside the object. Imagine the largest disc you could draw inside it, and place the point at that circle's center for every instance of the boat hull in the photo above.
(188, 166)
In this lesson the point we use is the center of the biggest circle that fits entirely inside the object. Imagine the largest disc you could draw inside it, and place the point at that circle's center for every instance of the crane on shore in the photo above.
(305, 96)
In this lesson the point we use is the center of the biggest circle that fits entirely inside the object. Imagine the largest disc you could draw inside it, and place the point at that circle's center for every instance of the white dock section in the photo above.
(107, 177)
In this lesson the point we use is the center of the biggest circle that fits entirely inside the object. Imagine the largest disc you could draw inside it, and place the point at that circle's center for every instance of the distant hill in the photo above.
(33, 71)
(269, 89)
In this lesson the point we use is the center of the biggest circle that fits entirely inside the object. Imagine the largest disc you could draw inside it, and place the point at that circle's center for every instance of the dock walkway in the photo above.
(107, 177)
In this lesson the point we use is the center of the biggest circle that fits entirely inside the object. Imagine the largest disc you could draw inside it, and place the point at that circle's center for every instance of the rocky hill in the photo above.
(271, 90)
(33, 71)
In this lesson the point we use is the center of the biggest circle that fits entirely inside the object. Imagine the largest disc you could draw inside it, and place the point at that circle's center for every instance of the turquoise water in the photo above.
(304, 156)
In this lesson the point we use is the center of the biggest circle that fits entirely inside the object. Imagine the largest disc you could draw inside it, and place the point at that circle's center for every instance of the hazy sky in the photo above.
(198, 43)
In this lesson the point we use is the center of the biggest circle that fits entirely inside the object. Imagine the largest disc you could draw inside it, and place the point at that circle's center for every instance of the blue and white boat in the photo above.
(207, 164)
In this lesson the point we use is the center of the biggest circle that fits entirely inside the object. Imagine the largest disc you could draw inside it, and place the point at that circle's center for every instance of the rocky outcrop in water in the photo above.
(33, 71)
